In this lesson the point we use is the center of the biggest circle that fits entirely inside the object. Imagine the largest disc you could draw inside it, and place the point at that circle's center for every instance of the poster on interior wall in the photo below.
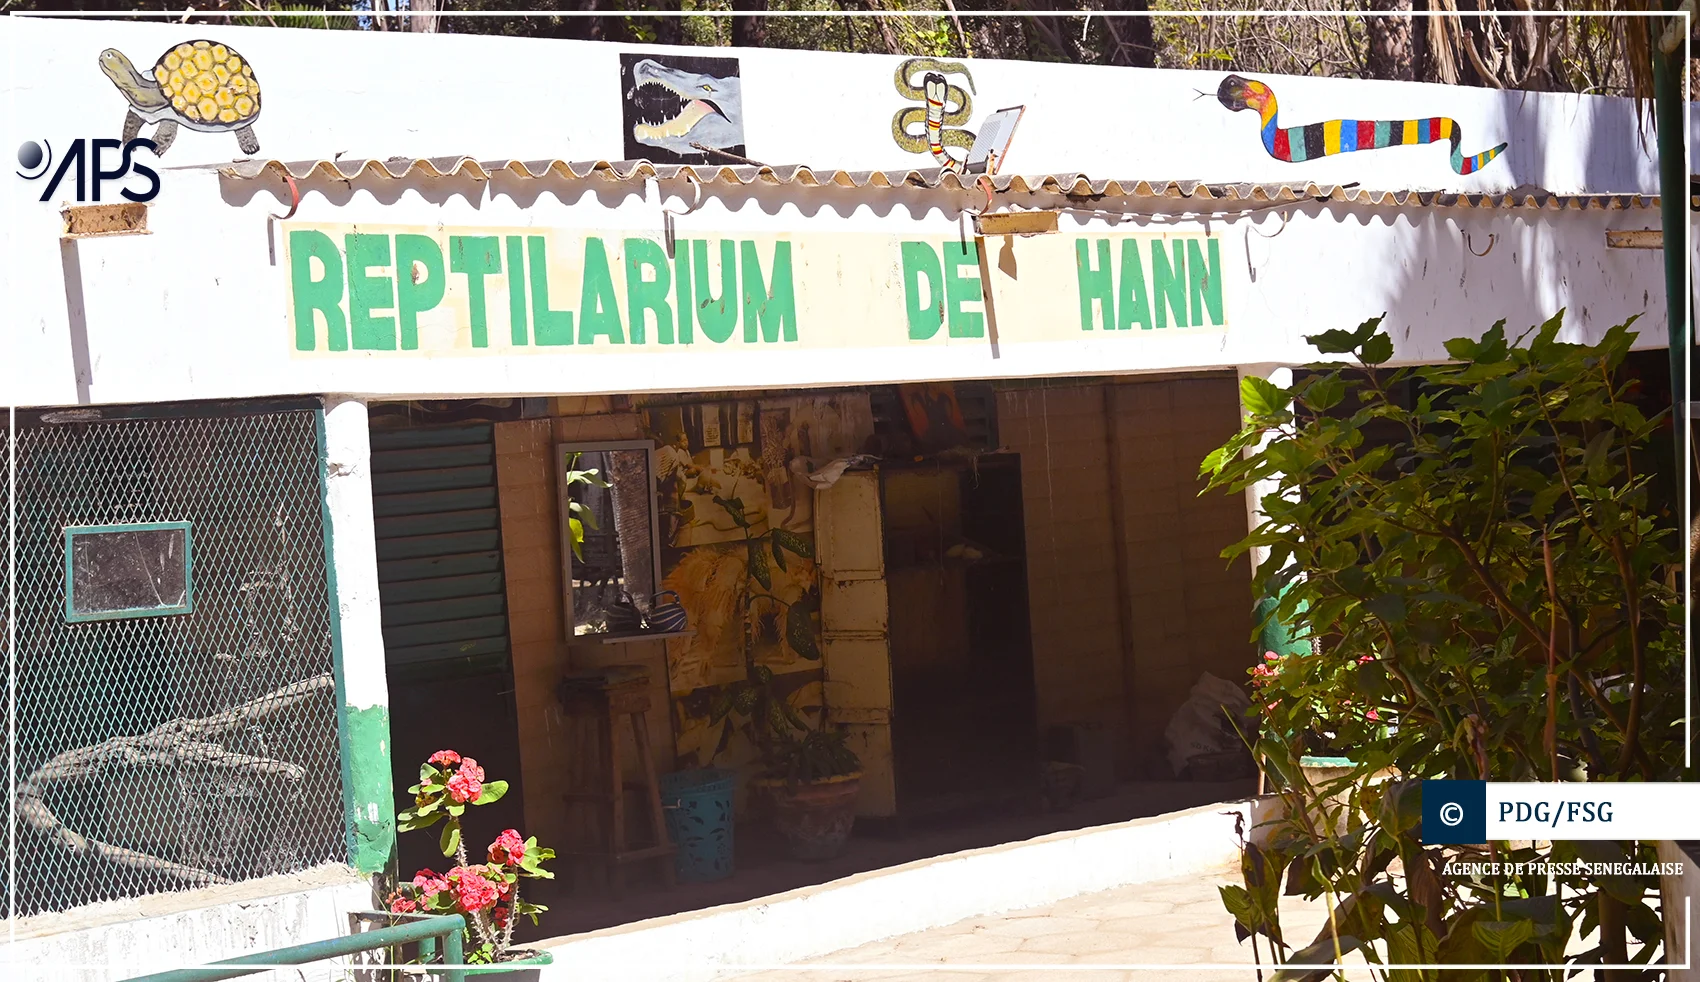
(934, 416)
(737, 523)
(674, 106)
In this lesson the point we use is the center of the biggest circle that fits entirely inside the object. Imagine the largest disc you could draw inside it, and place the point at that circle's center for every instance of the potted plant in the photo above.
(811, 783)
(486, 893)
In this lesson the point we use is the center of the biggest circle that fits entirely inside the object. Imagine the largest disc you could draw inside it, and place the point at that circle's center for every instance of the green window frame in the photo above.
(74, 531)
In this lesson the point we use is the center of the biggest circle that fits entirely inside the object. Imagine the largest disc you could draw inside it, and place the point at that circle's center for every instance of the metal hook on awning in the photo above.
(294, 198)
(1492, 238)
(653, 187)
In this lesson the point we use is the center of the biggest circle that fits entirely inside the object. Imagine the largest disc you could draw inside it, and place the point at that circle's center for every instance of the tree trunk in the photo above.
(1136, 33)
(1392, 52)
(629, 474)
(424, 25)
(749, 32)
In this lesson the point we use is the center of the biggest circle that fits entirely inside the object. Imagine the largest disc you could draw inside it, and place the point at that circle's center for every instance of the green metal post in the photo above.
(448, 927)
(453, 954)
(1673, 213)
(1674, 171)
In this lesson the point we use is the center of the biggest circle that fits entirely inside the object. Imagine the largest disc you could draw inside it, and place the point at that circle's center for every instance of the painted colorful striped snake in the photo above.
(1312, 140)
(935, 91)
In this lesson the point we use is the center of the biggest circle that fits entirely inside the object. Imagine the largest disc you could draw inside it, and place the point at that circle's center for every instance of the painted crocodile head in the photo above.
(676, 108)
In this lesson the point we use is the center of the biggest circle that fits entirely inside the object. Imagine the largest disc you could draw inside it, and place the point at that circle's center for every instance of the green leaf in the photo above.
(493, 791)
(1320, 953)
(758, 564)
(1503, 937)
(799, 545)
(1390, 607)
(1377, 350)
(1596, 458)
(778, 553)
(450, 839)
(800, 628)
(576, 529)
(1325, 392)
(1262, 397)
(735, 508)
(1335, 342)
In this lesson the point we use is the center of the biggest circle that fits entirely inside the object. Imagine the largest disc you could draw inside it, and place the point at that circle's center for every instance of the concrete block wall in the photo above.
(531, 560)
(1071, 560)
(1188, 611)
(531, 565)
(1191, 609)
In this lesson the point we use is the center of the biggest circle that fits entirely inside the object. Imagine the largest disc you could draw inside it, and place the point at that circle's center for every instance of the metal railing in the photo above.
(425, 930)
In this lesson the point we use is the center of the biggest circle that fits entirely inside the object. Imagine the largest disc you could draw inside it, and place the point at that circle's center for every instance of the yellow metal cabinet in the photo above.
(854, 615)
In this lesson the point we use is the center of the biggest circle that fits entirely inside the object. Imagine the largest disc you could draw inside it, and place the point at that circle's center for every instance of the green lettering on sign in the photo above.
(648, 294)
(415, 295)
(775, 304)
(959, 289)
(548, 326)
(477, 256)
(323, 295)
(921, 265)
(1133, 302)
(598, 313)
(718, 318)
(1206, 281)
(369, 293)
(1095, 284)
(517, 331)
(682, 288)
(1168, 283)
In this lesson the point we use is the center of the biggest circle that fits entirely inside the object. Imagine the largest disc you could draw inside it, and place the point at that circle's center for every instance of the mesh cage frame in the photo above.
(162, 753)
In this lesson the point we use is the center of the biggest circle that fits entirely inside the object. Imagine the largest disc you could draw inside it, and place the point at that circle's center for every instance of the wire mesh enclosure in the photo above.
(162, 746)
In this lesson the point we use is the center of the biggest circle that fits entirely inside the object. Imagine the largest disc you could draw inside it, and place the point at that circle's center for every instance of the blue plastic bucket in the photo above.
(698, 805)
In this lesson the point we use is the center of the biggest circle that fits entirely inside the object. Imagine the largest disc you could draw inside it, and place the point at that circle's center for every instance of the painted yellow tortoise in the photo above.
(203, 85)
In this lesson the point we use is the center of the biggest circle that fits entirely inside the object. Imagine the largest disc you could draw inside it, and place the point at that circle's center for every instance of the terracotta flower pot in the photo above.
(815, 818)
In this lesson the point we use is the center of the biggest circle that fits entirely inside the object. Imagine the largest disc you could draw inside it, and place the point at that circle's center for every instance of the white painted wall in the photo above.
(371, 94)
(124, 939)
(197, 309)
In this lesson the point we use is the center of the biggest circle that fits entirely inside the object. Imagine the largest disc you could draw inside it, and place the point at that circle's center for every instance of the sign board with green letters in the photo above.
(394, 291)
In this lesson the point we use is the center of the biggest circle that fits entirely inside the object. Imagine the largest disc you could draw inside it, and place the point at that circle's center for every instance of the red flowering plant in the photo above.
(486, 893)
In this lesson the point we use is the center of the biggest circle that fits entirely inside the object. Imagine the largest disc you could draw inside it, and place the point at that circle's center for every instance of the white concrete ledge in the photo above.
(816, 921)
(125, 938)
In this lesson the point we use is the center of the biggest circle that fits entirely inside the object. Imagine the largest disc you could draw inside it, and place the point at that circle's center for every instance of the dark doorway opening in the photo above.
(964, 716)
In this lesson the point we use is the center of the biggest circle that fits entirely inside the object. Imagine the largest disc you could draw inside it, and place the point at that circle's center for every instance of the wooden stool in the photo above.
(604, 695)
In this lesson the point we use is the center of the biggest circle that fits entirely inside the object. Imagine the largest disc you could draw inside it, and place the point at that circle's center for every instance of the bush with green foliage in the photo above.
(1489, 597)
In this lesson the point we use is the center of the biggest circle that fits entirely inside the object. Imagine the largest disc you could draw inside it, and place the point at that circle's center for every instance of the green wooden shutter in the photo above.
(439, 550)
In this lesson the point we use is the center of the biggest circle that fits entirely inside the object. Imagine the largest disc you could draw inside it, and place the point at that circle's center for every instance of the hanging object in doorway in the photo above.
(1296, 144)
(203, 85)
(942, 111)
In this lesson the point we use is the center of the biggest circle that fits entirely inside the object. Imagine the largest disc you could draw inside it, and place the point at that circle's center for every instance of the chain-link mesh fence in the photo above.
(158, 753)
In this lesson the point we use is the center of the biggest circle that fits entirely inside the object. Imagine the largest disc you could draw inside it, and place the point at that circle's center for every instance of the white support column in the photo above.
(1255, 494)
(357, 634)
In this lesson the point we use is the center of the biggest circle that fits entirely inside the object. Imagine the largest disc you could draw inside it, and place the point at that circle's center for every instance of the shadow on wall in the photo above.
(1511, 266)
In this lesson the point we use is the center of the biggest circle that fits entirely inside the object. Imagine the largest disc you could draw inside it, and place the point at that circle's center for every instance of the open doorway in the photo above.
(964, 726)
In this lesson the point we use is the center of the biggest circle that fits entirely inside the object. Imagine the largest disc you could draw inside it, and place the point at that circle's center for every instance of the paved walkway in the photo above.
(1170, 922)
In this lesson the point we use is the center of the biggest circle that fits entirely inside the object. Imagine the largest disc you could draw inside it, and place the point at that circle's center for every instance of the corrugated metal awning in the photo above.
(1072, 185)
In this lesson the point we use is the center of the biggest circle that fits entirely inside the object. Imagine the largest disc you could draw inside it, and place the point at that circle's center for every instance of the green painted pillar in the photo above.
(351, 559)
